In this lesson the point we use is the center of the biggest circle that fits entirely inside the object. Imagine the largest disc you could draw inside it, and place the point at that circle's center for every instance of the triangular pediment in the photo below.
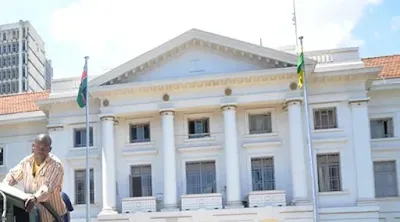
(184, 49)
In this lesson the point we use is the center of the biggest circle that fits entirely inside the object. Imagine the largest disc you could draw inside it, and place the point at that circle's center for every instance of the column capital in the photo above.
(107, 117)
(293, 101)
(167, 113)
(228, 107)
(53, 128)
(359, 101)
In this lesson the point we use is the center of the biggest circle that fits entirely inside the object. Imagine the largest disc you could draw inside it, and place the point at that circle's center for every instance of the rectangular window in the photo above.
(140, 133)
(329, 176)
(140, 181)
(199, 128)
(263, 175)
(260, 123)
(381, 128)
(201, 177)
(80, 137)
(325, 118)
(385, 179)
(80, 187)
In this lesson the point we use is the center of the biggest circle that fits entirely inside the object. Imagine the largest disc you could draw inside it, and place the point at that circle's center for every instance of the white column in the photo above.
(362, 151)
(60, 142)
(233, 195)
(297, 152)
(168, 139)
(108, 166)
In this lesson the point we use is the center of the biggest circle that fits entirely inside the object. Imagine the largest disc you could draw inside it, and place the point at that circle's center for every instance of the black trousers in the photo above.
(33, 216)
(20, 215)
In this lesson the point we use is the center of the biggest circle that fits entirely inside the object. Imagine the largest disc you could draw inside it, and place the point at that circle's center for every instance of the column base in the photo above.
(170, 207)
(234, 204)
(301, 202)
(108, 211)
(366, 202)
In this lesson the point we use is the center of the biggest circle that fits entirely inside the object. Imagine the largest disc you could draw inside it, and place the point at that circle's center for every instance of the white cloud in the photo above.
(115, 31)
(395, 23)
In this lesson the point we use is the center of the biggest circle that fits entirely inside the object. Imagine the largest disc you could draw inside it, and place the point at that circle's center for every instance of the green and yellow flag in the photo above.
(300, 70)
(81, 97)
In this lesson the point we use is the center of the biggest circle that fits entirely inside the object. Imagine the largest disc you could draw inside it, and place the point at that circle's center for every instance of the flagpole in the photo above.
(87, 144)
(294, 19)
(309, 141)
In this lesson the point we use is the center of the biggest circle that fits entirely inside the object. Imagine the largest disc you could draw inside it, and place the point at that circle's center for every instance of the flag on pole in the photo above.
(300, 69)
(83, 101)
(81, 98)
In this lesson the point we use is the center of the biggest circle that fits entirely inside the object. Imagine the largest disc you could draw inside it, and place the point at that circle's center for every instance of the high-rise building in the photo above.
(49, 74)
(23, 63)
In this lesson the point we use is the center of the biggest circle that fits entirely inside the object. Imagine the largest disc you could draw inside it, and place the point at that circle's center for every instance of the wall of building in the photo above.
(16, 136)
(36, 62)
(65, 116)
(387, 104)
(16, 141)
(69, 116)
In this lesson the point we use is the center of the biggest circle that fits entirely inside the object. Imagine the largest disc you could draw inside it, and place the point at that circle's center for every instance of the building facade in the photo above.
(209, 128)
(23, 64)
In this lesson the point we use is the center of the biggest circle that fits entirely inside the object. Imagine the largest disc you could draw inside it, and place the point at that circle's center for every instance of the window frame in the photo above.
(395, 124)
(339, 111)
(341, 182)
(395, 174)
(335, 113)
(205, 125)
(201, 176)
(152, 179)
(257, 111)
(188, 117)
(92, 169)
(382, 119)
(200, 159)
(145, 140)
(138, 121)
(251, 172)
(91, 128)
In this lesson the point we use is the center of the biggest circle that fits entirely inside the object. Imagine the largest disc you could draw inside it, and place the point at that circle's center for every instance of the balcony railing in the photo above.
(267, 198)
(139, 204)
(202, 201)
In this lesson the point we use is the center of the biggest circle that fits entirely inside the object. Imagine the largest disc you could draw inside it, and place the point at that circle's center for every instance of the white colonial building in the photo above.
(208, 128)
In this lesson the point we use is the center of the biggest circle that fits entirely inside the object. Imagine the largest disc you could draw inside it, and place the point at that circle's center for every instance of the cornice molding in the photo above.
(215, 81)
(225, 82)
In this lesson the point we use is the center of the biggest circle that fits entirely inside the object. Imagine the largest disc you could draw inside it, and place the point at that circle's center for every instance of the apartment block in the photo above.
(23, 63)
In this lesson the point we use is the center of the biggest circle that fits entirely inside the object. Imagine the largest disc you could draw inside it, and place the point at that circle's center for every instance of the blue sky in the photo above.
(114, 31)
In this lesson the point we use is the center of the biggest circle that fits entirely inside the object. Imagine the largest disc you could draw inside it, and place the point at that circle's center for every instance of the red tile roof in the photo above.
(391, 65)
(20, 103)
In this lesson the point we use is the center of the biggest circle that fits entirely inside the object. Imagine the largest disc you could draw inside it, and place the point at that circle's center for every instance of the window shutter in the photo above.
(191, 127)
(206, 128)
(133, 133)
(146, 132)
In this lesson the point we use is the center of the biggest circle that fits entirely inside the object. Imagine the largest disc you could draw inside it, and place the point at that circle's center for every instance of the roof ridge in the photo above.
(23, 93)
(375, 57)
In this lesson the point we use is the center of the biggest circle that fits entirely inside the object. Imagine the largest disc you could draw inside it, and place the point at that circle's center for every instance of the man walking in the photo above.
(42, 174)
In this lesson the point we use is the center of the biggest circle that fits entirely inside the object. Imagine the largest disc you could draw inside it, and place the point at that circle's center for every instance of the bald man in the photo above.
(42, 173)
